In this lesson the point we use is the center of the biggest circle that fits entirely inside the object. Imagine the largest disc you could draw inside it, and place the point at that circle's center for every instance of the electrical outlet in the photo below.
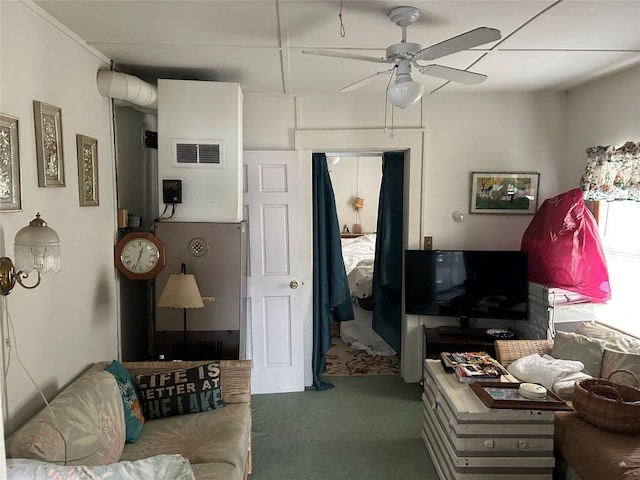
(428, 243)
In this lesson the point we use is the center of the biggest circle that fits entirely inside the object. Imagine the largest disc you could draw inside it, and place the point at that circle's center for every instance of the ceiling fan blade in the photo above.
(362, 82)
(465, 41)
(452, 74)
(350, 56)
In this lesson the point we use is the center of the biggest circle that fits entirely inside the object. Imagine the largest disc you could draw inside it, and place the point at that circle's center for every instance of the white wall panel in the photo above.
(202, 111)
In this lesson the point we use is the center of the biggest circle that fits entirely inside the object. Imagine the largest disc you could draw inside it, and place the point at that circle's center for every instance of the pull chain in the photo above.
(343, 32)
(386, 129)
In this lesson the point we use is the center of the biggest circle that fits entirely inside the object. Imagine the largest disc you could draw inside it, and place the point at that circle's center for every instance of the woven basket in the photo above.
(609, 405)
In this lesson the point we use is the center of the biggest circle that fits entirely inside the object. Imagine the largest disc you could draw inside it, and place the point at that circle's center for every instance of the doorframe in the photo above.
(412, 142)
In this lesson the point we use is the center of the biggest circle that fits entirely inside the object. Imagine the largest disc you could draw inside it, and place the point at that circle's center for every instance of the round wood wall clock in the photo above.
(140, 255)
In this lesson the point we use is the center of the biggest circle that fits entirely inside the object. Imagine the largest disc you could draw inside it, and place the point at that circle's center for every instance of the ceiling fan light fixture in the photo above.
(405, 93)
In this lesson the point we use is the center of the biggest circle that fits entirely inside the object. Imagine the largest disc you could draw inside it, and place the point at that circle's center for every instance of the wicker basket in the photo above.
(609, 405)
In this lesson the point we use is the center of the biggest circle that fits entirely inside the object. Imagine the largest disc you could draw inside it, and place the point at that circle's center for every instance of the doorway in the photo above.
(357, 349)
(409, 140)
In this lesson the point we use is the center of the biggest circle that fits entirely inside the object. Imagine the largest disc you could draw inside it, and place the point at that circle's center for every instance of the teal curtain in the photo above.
(387, 268)
(331, 295)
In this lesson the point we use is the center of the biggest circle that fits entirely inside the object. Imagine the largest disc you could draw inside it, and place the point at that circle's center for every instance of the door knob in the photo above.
(293, 284)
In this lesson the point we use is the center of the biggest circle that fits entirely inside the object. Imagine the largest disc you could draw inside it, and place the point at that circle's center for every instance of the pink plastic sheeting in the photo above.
(565, 249)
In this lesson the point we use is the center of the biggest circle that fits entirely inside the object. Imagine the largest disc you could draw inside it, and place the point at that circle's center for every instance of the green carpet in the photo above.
(367, 427)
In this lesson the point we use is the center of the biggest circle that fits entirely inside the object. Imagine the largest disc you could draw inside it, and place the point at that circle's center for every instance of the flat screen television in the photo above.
(467, 284)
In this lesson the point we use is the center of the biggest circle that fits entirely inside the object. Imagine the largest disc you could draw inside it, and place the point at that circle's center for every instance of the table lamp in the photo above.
(181, 291)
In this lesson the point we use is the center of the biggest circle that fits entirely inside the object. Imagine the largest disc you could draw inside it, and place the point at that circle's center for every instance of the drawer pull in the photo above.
(489, 443)
(522, 444)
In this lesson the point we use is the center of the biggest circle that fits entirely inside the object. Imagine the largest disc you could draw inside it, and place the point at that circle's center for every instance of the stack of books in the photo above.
(469, 367)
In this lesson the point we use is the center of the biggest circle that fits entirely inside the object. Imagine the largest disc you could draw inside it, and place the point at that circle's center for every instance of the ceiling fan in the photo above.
(404, 55)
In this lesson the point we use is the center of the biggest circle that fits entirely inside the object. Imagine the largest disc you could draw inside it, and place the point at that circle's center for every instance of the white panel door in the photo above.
(275, 336)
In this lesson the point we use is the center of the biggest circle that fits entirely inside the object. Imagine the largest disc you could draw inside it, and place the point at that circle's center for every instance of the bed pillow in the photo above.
(160, 467)
(190, 390)
(133, 416)
(572, 346)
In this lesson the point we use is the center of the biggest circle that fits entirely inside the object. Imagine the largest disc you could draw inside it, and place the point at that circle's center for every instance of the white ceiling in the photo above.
(546, 45)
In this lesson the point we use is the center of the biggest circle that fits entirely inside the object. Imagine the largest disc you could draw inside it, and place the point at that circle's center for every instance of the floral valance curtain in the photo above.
(612, 173)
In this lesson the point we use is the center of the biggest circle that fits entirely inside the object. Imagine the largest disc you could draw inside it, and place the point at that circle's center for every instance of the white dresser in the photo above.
(468, 441)
(552, 309)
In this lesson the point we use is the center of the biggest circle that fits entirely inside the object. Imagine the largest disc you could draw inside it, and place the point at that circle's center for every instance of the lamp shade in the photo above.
(181, 291)
(358, 203)
(37, 247)
(405, 93)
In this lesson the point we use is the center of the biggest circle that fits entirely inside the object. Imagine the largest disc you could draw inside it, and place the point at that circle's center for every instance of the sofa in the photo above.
(584, 451)
(82, 433)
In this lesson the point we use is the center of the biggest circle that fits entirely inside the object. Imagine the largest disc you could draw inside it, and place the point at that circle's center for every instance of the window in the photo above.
(619, 224)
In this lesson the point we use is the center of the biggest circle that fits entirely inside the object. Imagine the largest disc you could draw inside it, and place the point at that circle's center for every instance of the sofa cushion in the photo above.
(216, 471)
(133, 416)
(86, 421)
(596, 454)
(613, 339)
(218, 436)
(161, 467)
(613, 361)
(572, 346)
(181, 391)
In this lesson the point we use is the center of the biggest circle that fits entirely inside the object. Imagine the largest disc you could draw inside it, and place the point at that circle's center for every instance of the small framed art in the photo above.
(10, 193)
(48, 126)
(504, 192)
(87, 170)
(505, 395)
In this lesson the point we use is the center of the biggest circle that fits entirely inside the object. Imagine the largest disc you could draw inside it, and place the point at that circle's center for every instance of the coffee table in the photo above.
(468, 441)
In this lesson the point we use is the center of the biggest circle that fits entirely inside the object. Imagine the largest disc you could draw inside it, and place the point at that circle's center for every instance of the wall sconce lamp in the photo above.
(36, 247)
(181, 291)
(458, 216)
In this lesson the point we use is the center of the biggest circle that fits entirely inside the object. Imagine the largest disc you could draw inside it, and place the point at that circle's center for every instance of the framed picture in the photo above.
(87, 170)
(50, 157)
(10, 193)
(505, 395)
(504, 192)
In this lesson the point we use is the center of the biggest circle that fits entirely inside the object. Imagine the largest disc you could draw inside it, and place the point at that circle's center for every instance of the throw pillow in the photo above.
(159, 467)
(133, 416)
(572, 346)
(613, 361)
(190, 390)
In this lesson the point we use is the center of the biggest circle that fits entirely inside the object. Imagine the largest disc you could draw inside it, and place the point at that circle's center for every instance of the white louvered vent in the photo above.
(198, 153)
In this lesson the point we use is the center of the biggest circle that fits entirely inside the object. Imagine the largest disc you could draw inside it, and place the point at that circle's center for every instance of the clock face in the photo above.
(139, 255)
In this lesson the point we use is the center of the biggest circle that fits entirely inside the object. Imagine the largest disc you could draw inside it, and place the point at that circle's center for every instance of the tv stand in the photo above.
(441, 339)
(463, 331)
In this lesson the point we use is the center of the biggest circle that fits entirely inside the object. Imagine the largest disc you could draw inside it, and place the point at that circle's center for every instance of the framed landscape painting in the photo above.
(504, 192)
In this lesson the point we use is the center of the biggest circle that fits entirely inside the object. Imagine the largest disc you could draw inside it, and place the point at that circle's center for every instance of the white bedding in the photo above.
(358, 254)
(359, 334)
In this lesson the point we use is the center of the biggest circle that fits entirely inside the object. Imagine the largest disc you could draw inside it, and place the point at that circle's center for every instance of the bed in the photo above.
(358, 253)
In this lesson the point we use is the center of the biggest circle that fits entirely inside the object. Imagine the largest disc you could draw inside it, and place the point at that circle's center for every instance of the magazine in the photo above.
(451, 359)
(480, 372)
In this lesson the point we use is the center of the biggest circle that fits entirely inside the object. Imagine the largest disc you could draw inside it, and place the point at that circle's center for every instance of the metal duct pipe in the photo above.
(128, 88)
